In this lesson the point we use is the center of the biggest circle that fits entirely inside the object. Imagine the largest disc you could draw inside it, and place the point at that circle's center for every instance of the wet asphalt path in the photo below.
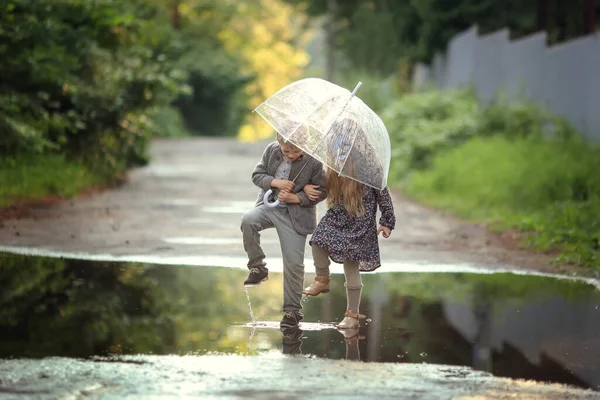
(185, 208)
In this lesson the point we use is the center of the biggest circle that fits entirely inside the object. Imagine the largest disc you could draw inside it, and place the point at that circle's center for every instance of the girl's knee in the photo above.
(353, 285)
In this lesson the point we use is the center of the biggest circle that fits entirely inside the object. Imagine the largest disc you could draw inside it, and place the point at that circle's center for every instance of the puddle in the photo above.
(513, 326)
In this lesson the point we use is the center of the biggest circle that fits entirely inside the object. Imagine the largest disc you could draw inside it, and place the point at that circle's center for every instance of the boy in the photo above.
(286, 170)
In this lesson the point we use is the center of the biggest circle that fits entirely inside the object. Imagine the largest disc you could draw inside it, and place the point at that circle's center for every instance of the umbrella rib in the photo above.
(337, 116)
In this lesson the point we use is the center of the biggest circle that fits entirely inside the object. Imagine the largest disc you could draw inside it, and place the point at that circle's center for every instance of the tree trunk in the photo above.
(589, 17)
(176, 14)
(542, 15)
(561, 20)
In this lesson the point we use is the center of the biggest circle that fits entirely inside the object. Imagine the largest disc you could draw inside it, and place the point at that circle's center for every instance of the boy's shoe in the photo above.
(256, 277)
(320, 285)
(290, 319)
(292, 341)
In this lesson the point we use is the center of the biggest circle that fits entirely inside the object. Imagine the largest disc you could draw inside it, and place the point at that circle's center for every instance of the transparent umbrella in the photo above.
(334, 126)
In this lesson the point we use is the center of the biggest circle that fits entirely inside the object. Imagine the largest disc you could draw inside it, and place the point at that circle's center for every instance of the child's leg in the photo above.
(353, 285)
(321, 259)
(253, 222)
(292, 251)
(321, 283)
(353, 291)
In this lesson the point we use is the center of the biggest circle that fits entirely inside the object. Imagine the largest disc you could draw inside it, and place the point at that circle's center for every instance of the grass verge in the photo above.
(25, 178)
(549, 190)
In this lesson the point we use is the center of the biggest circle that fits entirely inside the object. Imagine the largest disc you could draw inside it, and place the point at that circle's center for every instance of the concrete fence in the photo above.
(563, 79)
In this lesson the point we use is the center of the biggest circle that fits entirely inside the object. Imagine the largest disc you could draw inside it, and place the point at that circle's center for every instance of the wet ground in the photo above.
(111, 329)
(138, 293)
(186, 206)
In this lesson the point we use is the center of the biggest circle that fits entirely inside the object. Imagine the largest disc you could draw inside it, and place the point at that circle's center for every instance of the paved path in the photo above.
(271, 377)
(185, 208)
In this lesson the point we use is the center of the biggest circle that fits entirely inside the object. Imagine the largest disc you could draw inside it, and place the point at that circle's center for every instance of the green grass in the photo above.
(550, 190)
(34, 177)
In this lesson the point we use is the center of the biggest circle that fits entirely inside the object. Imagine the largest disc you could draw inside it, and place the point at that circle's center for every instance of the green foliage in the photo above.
(511, 164)
(523, 119)
(376, 34)
(214, 105)
(92, 82)
(423, 124)
(168, 122)
(549, 190)
(82, 77)
(32, 177)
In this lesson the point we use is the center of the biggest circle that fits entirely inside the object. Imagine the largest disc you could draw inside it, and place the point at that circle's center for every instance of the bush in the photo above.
(82, 77)
(521, 120)
(511, 164)
(423, 124)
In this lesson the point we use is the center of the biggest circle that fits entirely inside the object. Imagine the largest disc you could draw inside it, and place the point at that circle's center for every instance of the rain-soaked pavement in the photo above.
(139, 295)
(109, 330)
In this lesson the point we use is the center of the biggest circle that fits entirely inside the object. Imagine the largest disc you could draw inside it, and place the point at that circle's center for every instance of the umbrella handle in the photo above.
(266, 199)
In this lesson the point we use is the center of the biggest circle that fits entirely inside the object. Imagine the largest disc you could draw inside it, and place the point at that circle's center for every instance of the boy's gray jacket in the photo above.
(303, 215)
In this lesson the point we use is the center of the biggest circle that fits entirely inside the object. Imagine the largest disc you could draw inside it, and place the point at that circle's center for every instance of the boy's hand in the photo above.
(385, 231)
(282, 184)
(287, 197)
(312, 192)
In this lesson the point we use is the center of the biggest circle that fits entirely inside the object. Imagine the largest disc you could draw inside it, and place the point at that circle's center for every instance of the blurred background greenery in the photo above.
(85, 86)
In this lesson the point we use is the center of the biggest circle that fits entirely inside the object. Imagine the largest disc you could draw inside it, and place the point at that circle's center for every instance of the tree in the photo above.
(268, 35)
(83, 77)
(377, 34)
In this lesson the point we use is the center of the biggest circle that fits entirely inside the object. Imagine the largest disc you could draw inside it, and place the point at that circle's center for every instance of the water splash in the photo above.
(250, 307)
(251, 336)
(251, 317)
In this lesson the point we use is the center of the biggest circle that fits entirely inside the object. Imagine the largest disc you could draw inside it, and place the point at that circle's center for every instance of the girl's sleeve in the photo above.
(317, 178)
(384, 201)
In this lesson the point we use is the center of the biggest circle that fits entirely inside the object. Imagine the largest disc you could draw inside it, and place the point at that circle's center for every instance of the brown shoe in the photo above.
(320, 285)
(351, 320)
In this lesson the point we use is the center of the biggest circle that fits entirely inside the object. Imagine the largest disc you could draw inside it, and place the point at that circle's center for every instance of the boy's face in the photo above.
(291, 152)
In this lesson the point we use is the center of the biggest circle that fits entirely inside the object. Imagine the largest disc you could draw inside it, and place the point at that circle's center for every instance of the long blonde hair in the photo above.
(346, 191)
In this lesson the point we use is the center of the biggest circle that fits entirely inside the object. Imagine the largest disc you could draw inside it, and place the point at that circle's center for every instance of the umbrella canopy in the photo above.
(334, 126)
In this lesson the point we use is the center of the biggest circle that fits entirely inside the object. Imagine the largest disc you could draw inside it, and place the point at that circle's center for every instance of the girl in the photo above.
(347, 234)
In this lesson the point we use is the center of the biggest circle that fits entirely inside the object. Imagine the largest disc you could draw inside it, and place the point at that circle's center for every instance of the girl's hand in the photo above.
(312, 192)
(385, 231)
(287, 197)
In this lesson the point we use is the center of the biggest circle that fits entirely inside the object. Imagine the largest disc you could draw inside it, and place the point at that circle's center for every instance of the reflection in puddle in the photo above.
(515, 326)
(305, 326)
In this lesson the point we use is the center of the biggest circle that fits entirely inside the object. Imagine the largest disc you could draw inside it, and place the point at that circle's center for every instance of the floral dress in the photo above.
(355, 238)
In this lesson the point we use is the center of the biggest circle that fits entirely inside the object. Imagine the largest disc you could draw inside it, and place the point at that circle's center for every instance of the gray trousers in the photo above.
(292, 249)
